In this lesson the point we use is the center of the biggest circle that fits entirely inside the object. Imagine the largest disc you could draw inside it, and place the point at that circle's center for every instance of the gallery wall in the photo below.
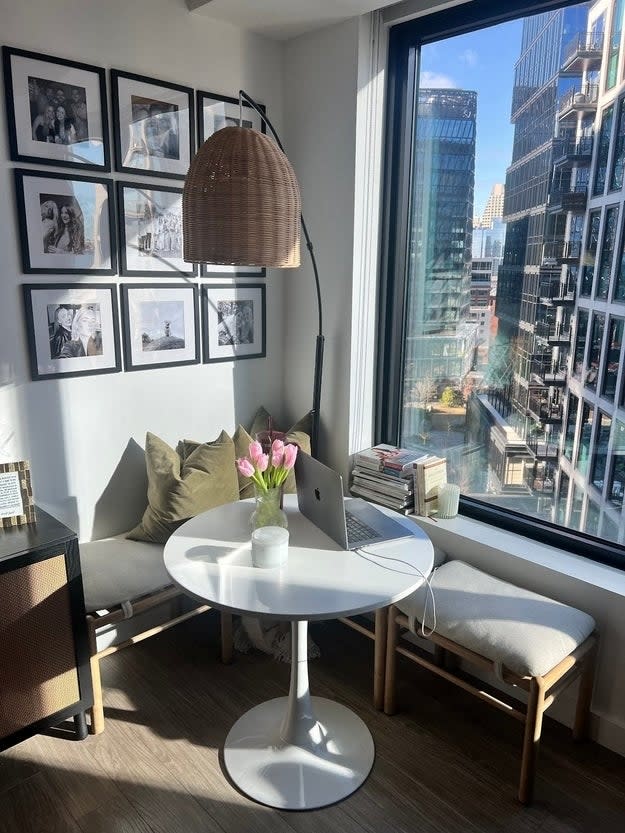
(84, 435)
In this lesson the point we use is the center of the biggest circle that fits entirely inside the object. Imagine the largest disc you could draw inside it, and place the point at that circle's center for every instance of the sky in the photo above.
(482, 61)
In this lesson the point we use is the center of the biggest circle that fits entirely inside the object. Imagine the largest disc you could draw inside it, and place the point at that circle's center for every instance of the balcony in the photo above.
(556, 334)
(571, 252)
(546, 374)
(582, 53)
(573, 198)
(578, 100)
(543, 408)
(553, 290)
(557, 252)
(543, 449)
(539, 482)
(569, 152)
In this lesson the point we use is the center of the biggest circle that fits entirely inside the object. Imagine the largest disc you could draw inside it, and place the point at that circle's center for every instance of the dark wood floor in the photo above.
(445, 762)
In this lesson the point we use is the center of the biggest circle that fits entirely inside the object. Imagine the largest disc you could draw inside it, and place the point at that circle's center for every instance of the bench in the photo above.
(526, 640)
(122, 581)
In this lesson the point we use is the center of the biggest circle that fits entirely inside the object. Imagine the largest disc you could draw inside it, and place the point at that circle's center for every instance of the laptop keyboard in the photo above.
(358, 531)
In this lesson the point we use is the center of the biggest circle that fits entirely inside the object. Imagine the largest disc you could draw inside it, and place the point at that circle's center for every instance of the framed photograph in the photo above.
(17, 505)
(153, 125)
(150, 231)
(213, 113)
(73, 329)
(233, 321)
(56, 111)
(160, 325)
(217, 111)
(66, 223)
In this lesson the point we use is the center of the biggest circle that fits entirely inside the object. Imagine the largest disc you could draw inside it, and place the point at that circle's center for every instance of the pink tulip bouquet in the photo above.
(268, 471)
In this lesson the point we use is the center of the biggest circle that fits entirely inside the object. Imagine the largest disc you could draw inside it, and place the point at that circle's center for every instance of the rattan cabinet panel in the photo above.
(43, 643)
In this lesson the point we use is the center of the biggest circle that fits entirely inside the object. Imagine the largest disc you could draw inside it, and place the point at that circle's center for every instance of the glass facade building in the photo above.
(440, 341)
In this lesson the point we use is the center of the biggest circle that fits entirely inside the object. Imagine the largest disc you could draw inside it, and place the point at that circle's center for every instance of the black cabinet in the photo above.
(44, 653)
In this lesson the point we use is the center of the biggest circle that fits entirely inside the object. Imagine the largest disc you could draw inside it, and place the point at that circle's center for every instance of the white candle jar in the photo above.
(270, 546)
(448, 500)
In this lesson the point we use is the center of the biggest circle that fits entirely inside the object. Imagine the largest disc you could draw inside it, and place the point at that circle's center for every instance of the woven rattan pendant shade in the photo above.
(241, 202)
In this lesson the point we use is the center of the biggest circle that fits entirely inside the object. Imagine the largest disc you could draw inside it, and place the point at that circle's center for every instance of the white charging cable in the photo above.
(427, 580)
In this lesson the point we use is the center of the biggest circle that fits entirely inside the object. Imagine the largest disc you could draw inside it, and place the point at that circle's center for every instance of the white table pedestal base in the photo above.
(292, 777)
(299, 752)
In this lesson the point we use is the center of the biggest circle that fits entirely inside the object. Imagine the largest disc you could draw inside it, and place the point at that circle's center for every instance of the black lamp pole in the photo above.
(314, 413)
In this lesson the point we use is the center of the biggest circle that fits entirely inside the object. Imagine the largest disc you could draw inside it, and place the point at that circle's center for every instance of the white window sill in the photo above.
(525, 549)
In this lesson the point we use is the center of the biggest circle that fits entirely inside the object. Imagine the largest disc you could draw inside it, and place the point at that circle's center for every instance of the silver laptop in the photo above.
(353, 523)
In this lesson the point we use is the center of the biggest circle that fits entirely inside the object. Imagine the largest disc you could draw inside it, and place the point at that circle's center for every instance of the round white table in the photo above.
(297, 752)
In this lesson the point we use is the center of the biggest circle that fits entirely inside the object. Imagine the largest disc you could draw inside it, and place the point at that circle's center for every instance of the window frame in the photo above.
(405, 41)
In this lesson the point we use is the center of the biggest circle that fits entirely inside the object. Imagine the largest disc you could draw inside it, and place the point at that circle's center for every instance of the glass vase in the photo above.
(268, 511)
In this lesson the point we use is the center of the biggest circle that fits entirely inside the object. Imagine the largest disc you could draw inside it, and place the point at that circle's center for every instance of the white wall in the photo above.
(76, 432)
(321, 75)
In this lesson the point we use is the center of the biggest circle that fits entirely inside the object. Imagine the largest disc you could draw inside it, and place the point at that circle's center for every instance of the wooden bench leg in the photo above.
(531, 740)
(392, 631)
(379, 663)
(226, 638)
(584, 696)
(96, 712)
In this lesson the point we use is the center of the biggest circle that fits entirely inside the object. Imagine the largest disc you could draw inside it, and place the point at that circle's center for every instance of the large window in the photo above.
(592, 244)
(618, 162)
(498, 129)
(607, 251)
(603, 151)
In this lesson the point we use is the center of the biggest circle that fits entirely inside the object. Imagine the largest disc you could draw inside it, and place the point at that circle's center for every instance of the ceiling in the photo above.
(284, 19)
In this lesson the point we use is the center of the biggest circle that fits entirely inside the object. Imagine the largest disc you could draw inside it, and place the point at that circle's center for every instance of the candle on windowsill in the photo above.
(448, 500)
(270, 546)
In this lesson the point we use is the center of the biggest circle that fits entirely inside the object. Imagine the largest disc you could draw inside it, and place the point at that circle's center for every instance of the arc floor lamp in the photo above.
(241, 206)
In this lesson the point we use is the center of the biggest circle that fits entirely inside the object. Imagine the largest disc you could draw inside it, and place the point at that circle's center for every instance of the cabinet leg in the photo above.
(80, 726)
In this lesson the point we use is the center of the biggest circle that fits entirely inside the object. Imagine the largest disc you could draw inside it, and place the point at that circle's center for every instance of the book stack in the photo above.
(384, 474)
(430, 473)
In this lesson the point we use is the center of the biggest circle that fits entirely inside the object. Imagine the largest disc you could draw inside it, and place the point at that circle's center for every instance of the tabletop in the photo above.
(209, 557)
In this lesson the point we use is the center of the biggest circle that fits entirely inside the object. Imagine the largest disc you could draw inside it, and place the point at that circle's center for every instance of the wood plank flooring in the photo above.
(445, 763)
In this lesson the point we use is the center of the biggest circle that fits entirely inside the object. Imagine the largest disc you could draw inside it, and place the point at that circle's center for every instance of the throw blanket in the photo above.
(270, 637)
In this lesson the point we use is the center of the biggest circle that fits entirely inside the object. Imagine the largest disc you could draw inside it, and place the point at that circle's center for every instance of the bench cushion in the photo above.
(527, 633)
(116, 570)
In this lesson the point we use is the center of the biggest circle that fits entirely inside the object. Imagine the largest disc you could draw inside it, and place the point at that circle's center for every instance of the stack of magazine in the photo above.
(384, 474)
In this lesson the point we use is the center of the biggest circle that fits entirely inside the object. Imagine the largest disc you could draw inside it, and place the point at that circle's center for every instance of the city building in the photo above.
(440, 341)
(494, 206)
(591, 470)
(554, 103)
(561, 287)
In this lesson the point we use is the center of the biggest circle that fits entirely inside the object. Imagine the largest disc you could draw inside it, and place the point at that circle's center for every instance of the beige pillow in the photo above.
(179, 489)
(298, 434)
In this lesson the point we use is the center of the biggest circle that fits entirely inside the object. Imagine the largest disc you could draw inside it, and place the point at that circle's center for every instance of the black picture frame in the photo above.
(53, 343)
(227, 111)
(81, 139)
(223, 340)
(88, 242)
(154, 245)
(150, 141)
(177, 301)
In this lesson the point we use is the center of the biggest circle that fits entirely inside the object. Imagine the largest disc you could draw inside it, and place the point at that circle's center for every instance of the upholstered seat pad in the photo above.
(524, 631)
(116, 570)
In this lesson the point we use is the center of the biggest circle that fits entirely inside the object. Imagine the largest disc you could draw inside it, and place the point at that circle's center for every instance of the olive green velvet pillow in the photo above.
(241, 440)
(298, 434)
(180, 489)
